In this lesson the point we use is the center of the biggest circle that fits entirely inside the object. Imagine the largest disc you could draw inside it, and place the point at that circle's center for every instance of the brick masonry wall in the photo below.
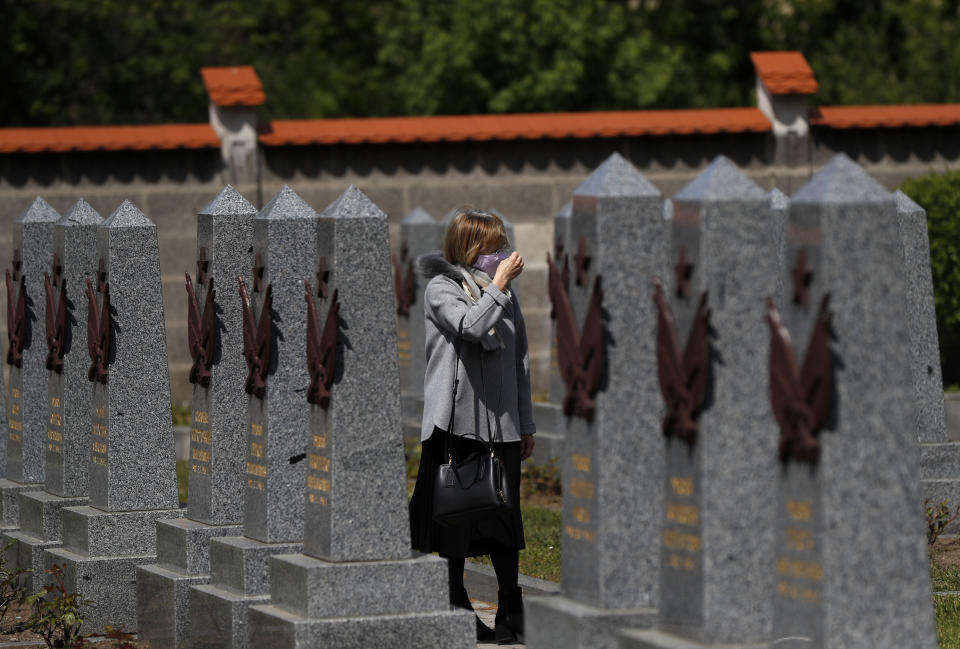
(528, 181)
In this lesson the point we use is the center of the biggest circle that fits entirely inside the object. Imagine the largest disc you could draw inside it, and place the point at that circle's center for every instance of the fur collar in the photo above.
(432, 264)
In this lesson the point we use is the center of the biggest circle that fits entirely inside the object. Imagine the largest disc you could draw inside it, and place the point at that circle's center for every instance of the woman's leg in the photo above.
(508, 626)
(459, 597)
(455, 576)
(507, 566)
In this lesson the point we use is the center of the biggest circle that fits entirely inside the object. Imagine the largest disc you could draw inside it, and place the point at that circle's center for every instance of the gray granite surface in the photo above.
(184, 544)
(356, 583)
(717, 542)
(132, 460)
(27, 413)
(163, 606)
(239, 578)
(219, 617)
(356, 497)
(317, 589)
(611, 522)
(10, 503)
(68, 391)
(279, 423)
(869, 464)
(922, 321)
(108, 582)
(273, 628)
(242, 564)
(219, 411)
(218, 428)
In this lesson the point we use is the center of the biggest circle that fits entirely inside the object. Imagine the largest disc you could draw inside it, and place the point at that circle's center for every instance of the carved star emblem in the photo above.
(802, 278)
(582, 262)
(683, 271)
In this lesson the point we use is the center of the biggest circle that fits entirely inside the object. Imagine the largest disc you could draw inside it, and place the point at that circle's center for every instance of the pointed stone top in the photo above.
(419, 216)
(565, 212)
(80, 214)
(722, 180)
(353, 204)
(285, 206)
(842, 181)
(228, 201)
(778, 200)
(905, 203)
(127, 216)
(617, 177)
(38, 212)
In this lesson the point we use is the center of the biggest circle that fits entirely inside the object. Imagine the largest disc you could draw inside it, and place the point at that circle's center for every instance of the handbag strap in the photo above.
(448, 439)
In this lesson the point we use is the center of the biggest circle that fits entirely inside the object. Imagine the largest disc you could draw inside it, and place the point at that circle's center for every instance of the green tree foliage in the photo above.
(137, 61)
(939, 195)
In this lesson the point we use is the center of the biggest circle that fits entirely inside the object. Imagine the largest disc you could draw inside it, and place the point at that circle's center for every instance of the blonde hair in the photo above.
(471, 232)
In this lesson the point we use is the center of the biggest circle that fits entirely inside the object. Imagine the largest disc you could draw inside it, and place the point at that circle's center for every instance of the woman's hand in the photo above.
(508, 269)
(526, 446)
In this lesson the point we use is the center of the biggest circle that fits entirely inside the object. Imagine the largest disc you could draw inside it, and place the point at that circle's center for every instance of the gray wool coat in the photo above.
(494, 364)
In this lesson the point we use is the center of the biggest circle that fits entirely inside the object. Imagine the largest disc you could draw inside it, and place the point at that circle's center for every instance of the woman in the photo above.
(470, 284)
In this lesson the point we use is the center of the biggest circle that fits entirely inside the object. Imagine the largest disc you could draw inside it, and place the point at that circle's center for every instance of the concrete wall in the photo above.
(527, 180)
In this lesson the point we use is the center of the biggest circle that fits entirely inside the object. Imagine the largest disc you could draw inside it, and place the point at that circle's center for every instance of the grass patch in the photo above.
(946, 610)
(183, 477)
(541, 558)
(945, 577)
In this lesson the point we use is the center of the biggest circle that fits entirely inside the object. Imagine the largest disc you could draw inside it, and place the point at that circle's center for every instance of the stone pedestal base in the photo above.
(10, 502)
(239, 578)
(649, 639)
(394, 603)
(41, 525)
(274, 628)
(163, 605)
(163, 589)
(561, 623)
(101, 551)
(940, 477)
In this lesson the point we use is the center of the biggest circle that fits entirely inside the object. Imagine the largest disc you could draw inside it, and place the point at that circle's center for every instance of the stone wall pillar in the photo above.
(235, 93)
(785, 82)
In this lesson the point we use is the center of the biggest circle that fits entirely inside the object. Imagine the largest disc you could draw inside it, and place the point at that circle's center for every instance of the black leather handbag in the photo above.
(476, 487)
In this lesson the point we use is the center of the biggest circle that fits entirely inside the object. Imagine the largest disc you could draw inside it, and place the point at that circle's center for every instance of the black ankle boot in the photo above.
(508, 627)
(460, 599)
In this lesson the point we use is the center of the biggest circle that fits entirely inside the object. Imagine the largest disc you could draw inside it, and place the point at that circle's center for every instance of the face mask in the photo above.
(489, 263)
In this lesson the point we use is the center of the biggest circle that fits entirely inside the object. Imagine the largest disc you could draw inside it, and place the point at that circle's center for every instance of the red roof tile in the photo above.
(532, 126)
(784, 73)
(885, 116)
(108, 138)
(233, 86)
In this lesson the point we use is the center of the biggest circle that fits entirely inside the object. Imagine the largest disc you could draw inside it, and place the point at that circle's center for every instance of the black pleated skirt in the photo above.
(491, 535)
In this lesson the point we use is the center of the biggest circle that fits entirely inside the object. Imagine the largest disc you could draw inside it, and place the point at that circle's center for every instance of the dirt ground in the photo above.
(946, 552)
